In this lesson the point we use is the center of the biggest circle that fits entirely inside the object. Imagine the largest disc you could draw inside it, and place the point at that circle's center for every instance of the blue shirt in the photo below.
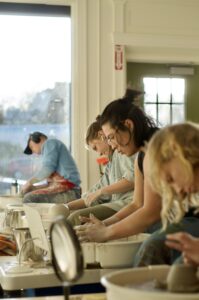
(57, 158)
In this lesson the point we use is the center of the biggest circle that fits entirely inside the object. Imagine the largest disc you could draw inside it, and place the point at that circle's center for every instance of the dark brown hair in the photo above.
(121, 109)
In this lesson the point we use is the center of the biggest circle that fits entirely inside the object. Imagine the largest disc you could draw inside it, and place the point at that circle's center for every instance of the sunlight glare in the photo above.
(28, 47)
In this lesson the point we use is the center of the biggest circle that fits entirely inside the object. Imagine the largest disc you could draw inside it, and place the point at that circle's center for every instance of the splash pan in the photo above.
(139, 283)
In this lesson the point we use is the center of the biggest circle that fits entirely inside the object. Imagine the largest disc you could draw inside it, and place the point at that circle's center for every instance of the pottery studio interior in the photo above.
(99, 146)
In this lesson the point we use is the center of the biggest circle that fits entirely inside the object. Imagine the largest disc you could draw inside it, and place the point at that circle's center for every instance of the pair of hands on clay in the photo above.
(93, 230)
(187, 244)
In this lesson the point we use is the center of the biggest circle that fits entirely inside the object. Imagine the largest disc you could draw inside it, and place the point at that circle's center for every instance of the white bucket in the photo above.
(113, 254)
(119, 253)
(122, 285)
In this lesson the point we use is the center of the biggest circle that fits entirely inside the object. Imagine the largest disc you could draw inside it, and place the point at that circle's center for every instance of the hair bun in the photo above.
(97, 119)
(131, 94)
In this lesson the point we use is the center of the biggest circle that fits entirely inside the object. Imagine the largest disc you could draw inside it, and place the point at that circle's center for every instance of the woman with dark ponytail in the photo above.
(127, 129)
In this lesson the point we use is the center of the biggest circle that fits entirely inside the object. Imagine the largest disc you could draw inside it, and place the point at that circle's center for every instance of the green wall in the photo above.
(136, 71)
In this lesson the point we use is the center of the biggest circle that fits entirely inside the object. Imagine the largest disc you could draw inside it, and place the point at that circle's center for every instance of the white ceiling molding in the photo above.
(154, 40)
(159, 48)
(152, 31)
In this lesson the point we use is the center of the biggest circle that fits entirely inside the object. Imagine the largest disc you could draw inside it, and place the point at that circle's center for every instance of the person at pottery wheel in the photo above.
(127, 128)
(174, 174)
(58, 169)
(114, 190)
(182, 241)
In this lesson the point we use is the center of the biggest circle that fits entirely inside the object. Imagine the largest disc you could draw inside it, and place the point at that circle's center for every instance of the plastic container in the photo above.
(27, 250)
(114, 254)
(89, 255)
(131, 285)
(119, 253)
(14, 216)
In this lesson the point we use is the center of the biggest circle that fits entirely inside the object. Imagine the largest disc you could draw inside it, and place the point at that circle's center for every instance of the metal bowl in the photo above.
(14, 216)
(25, 246)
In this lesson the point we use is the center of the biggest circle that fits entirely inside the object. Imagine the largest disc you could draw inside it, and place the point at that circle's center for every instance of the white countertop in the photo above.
(41, 277)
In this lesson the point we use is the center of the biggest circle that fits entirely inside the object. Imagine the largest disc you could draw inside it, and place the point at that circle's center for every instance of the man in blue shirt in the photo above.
(58, 169)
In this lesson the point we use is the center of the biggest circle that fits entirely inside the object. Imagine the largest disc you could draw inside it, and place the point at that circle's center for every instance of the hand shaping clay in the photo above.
(182, 279)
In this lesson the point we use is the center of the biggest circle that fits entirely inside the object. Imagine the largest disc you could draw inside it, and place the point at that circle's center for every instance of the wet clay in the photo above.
(182, 279)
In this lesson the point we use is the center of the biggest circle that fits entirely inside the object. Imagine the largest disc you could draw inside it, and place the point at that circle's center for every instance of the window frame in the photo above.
(170, 102)
(34, 9)
(45, 10)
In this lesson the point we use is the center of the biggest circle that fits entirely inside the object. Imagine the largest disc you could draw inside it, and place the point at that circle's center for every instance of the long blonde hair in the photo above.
(182, 141)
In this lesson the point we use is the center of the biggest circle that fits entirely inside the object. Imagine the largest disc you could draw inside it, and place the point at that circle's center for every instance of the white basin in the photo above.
(119, 253)
(113, 254)
(122, 285)
(89, 255)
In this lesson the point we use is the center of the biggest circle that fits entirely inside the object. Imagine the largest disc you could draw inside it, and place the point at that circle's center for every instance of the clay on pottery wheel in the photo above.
(182, 279)
(59, 209)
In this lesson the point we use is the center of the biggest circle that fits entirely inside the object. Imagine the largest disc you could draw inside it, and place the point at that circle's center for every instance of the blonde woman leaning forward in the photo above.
(115, 188)
(182, 159)
(174, 174)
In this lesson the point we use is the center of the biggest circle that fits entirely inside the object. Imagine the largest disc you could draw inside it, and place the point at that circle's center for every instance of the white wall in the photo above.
(147, 30)
(161, 30)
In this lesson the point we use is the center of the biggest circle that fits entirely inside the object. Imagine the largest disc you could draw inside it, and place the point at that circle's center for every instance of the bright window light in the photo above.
(35, 79)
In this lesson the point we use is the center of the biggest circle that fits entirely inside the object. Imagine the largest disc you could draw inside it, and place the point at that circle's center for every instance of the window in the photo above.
(35, 77)
(164, 99)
